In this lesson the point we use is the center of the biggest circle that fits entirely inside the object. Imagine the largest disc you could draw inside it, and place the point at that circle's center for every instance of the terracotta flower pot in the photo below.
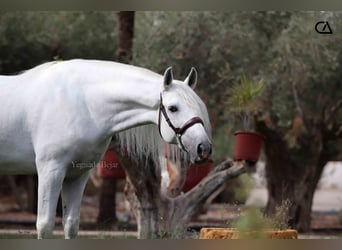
(109, 166)
(233, 233)
(195, 174)
(247, 146)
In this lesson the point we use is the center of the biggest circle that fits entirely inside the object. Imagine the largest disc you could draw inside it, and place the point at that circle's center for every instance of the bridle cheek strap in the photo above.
(178, 131)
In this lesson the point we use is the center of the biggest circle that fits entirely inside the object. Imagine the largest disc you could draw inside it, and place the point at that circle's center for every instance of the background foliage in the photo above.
(30, 38)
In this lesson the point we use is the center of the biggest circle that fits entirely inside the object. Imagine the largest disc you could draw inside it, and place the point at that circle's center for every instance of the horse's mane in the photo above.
(144, 143)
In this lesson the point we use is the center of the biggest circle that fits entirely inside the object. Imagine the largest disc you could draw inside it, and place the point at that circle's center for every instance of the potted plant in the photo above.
(242, 102)
(195, 174)
(110, 167)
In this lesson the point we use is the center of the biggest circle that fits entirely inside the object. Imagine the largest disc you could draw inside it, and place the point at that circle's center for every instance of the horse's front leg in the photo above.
(72, 192)
(50, 179)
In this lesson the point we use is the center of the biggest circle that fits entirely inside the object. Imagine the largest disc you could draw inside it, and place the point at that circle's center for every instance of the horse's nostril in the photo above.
(200, 149)
(204, 152)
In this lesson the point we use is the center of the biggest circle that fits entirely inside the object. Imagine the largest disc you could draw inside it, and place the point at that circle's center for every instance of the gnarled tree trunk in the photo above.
(293, 173)
(125, 36)
(159, 215)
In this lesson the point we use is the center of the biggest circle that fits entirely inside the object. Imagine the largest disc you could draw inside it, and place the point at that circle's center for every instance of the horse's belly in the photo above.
(17, 157)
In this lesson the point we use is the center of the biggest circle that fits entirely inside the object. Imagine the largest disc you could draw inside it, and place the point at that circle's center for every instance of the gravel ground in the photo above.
(15, 224)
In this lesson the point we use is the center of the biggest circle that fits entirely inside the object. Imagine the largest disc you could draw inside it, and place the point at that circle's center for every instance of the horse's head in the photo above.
(183, 117)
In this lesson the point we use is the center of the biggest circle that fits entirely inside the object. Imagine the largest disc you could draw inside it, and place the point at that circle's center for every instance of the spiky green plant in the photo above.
(242, 100)
(254, 224)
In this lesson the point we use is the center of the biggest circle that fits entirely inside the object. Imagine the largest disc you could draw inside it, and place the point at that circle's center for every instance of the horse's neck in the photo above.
(125, 97)
(117, 96)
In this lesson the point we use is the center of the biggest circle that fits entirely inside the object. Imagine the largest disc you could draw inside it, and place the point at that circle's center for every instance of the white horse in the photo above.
(59, 114)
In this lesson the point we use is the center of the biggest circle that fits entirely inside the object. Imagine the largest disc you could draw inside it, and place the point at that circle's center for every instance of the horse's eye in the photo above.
(173, 109)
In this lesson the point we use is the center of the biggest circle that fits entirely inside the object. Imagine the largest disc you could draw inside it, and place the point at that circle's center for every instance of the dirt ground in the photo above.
(326, 217)
(326, 222)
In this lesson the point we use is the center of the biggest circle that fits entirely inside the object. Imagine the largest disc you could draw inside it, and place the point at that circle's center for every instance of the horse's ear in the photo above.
(191, 79)
(168, 77)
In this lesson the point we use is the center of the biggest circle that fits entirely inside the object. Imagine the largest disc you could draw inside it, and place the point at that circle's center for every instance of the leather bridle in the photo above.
(178, 131)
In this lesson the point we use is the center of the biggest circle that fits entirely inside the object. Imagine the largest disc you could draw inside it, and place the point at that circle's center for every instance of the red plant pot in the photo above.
(247, 146)
(109, 166)
(195, 174)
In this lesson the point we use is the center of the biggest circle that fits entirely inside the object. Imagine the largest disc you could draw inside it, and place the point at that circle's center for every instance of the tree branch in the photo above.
(296, 99)
(223, 165)
(199, 194)
(331, 113)
(334, 132)
(332, 129)
(298, 106)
